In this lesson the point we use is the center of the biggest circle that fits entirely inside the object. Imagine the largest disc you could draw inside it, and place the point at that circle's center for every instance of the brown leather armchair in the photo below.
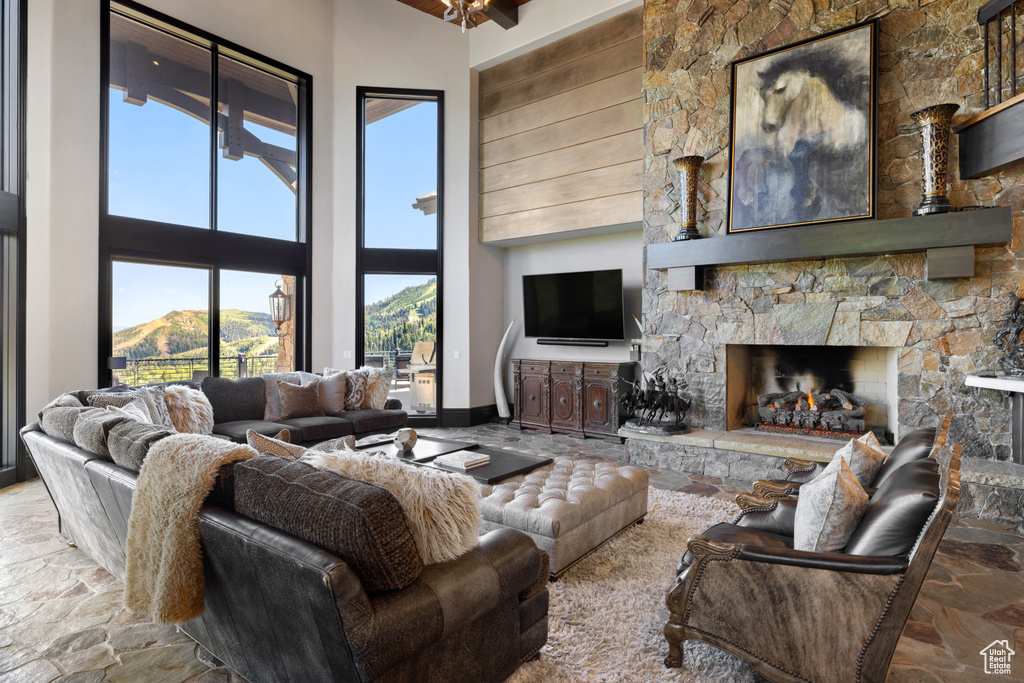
(796, 615)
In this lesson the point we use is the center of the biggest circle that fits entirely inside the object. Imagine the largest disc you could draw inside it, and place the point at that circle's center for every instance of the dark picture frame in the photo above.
(802, 133)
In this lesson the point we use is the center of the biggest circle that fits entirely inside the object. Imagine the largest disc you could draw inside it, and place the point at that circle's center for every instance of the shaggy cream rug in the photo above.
(607, 612)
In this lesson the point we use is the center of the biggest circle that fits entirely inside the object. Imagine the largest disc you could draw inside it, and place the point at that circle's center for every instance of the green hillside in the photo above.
(183, 334)
(401, 320)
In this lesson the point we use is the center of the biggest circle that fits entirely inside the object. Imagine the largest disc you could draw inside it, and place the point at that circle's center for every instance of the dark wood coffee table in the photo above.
(503, 464)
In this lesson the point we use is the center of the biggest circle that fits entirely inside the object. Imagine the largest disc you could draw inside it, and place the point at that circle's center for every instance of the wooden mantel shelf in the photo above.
(949, 240)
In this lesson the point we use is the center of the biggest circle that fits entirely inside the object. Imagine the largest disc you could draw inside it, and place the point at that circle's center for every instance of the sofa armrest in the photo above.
(774, 515)
(393, 404)
(838, 562)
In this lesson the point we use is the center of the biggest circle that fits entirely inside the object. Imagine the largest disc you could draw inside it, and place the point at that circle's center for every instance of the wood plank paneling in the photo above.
(592, 155)
(604, 123)
(600, 37)
(565, 218)
(615, 60)
(606, 93)
(602, 182)
(561, 136)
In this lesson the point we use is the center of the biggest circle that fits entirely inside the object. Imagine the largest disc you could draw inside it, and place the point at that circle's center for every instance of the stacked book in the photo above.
(462, 460)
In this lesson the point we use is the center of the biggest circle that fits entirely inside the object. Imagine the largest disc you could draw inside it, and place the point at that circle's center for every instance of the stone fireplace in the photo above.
(935, 332)
(867, 373)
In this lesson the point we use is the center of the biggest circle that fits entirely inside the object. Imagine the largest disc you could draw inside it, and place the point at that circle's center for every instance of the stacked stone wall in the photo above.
(929, 53)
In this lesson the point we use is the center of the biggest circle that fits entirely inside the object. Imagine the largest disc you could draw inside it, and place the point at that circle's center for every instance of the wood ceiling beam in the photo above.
(505, 13)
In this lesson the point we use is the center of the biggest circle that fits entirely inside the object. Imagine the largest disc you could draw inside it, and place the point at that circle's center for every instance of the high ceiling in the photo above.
(436, 8)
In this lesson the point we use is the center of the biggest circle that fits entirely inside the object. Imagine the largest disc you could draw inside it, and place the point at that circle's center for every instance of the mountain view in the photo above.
(401, 320)
(183, 334)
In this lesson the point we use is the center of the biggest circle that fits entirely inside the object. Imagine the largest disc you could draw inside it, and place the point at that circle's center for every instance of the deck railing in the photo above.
(1003, 14)
(153, 370)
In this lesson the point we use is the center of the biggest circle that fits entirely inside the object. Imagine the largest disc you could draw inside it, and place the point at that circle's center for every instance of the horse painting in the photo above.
(802, 131)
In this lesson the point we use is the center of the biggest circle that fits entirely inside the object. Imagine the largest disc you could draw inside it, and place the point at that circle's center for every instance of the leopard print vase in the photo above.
(934, 122)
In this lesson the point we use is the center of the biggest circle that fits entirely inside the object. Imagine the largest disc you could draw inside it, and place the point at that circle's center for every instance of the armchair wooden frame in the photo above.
(806, 616)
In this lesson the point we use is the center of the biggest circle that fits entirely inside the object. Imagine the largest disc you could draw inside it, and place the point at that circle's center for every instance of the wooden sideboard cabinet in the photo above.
(572, 397)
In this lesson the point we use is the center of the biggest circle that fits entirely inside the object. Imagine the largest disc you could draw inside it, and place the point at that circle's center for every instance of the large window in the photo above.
(400, 229)
(204, 207)
(14, 465)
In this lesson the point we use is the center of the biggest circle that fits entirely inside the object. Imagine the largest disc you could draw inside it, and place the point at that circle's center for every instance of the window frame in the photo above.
(124, 238)
(15, 465)
(376, 261)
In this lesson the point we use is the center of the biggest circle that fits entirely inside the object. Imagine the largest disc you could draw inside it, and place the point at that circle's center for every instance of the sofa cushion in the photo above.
(897, 512)
(914, 446)
(93, 428)
(236, 430)
(829, 509)
(370, 420)
(60, 422)
(319, 428)
(130, 441)
(84, 394)
(300, 401)
(235, 399)
(361, 523)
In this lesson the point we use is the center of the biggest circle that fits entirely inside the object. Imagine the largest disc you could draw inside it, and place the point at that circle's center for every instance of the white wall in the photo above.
(540, 22)
(602, 252)
(62, 191)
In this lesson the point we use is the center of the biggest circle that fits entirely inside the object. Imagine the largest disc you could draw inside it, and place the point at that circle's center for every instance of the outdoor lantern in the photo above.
(280, 306)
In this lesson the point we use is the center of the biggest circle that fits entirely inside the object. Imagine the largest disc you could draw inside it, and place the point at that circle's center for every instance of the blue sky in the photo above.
(160, 168)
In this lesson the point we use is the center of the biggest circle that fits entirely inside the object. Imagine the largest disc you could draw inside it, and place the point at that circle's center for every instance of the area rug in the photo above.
(607, 612)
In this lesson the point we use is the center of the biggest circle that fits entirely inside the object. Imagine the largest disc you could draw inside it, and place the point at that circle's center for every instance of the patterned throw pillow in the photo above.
(119, 400)
(829, 509)
(863, 460)
(279, 444)
(355, 391)
(156, 402)
(870, 440)
(378, 383)
(332, 392)
(300, 401)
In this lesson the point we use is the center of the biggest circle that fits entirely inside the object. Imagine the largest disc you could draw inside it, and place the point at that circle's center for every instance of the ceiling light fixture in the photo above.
(464, 11)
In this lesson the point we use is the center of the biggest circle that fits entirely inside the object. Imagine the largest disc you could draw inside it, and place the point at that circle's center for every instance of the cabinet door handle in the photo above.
(597, 403)
(532, 397)
(563, 400)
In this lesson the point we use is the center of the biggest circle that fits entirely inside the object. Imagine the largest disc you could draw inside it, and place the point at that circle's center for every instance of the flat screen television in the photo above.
(574, 306)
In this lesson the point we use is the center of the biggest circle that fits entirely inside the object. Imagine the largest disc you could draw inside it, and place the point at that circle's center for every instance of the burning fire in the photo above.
(810, 400)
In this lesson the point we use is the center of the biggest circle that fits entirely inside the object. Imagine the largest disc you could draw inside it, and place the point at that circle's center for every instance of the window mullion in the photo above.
(214, 131)
(214, 308)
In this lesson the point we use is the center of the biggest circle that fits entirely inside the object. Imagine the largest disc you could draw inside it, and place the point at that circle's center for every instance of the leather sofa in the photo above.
(816, 616)
(279, 608)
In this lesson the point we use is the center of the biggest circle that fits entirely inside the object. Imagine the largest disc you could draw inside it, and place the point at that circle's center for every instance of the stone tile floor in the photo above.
(61, 619)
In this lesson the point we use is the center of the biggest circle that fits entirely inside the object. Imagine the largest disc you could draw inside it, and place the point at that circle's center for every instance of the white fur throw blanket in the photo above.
(164, 573)
(442, 507)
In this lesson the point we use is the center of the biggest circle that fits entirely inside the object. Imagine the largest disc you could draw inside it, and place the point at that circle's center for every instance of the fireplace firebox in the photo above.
(826, 391)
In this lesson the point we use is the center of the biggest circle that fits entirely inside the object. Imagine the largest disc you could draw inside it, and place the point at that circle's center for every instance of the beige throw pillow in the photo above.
(300, 401)
(332, 393)
(829, 509)
(863, 460)
(133, 410)
(279, 444)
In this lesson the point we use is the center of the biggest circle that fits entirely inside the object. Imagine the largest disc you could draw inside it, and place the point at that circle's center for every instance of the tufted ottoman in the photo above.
(568, 507)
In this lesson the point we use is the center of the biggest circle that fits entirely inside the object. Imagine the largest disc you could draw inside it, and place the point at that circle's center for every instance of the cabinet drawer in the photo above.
(570, 369)
(534, 367)
(601, 370)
